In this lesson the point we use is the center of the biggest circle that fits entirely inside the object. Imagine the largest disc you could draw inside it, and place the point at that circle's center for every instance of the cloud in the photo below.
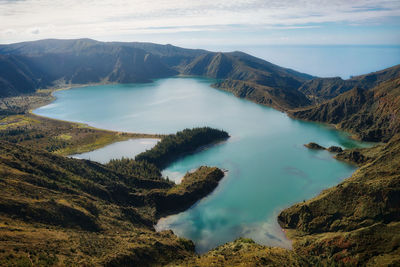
(34, 30)
(100, 18)
(9, 32)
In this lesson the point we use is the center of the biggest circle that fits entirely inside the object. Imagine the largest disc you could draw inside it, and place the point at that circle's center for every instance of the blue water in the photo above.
(268, 166)
(325, 60)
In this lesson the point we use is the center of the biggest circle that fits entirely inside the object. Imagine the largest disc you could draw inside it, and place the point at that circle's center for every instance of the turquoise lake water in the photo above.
(268, 166)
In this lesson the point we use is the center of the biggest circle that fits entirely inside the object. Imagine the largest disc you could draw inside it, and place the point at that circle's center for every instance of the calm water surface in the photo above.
(268, 166)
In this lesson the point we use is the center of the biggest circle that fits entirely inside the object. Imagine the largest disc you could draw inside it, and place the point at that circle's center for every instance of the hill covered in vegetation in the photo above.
(63, 211)
(372, 115)
(321, 89)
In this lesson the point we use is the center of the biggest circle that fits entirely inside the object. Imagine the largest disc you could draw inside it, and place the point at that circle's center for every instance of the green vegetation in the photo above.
(245, 252)
(174, 146)
(128, 166)
(276, 97)
(372, 115)
(56, 136)
(315, 146)
(193, 187)
(63, 211)
(319, 90)
(57, 210)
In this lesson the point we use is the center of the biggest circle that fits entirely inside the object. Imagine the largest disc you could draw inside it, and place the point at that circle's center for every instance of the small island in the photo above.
(315, 146)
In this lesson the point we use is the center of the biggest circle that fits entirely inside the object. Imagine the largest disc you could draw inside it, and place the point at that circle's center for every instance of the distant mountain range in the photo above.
(352, 103)
(28, 66)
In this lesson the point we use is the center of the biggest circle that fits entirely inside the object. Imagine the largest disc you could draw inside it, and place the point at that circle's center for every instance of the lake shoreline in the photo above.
(48, 97)
(246, 100)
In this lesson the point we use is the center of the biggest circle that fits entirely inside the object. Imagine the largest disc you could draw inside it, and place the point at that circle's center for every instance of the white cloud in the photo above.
(34, 30)
(103, 18)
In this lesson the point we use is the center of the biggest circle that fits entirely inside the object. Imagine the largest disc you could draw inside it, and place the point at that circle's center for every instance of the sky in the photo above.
(204, 23)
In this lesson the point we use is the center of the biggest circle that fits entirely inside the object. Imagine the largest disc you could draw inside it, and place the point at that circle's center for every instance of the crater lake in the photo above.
(268, 167)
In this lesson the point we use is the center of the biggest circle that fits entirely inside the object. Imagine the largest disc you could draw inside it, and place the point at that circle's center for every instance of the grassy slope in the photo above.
(373, 115)
(277, 98)
(66, 211)
(60, 137)
(245, 252)
(19, 126)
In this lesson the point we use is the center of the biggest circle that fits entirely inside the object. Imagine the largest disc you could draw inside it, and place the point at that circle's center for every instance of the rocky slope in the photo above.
(278, 98)
(373, 115)
(252, 78)
(245, 252)
(321, 89)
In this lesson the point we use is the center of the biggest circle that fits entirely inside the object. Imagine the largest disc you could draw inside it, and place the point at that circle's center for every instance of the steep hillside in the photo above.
(373, 115)
(245, 252)
(16, 77)
(252, 78)
(241, 66)
(278, 98)
(172, 56)
(62, 211)
(322, 89)
(48, 62)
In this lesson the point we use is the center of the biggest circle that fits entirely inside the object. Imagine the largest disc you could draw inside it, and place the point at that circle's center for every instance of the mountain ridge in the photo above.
(79, 61)
(319, 90)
